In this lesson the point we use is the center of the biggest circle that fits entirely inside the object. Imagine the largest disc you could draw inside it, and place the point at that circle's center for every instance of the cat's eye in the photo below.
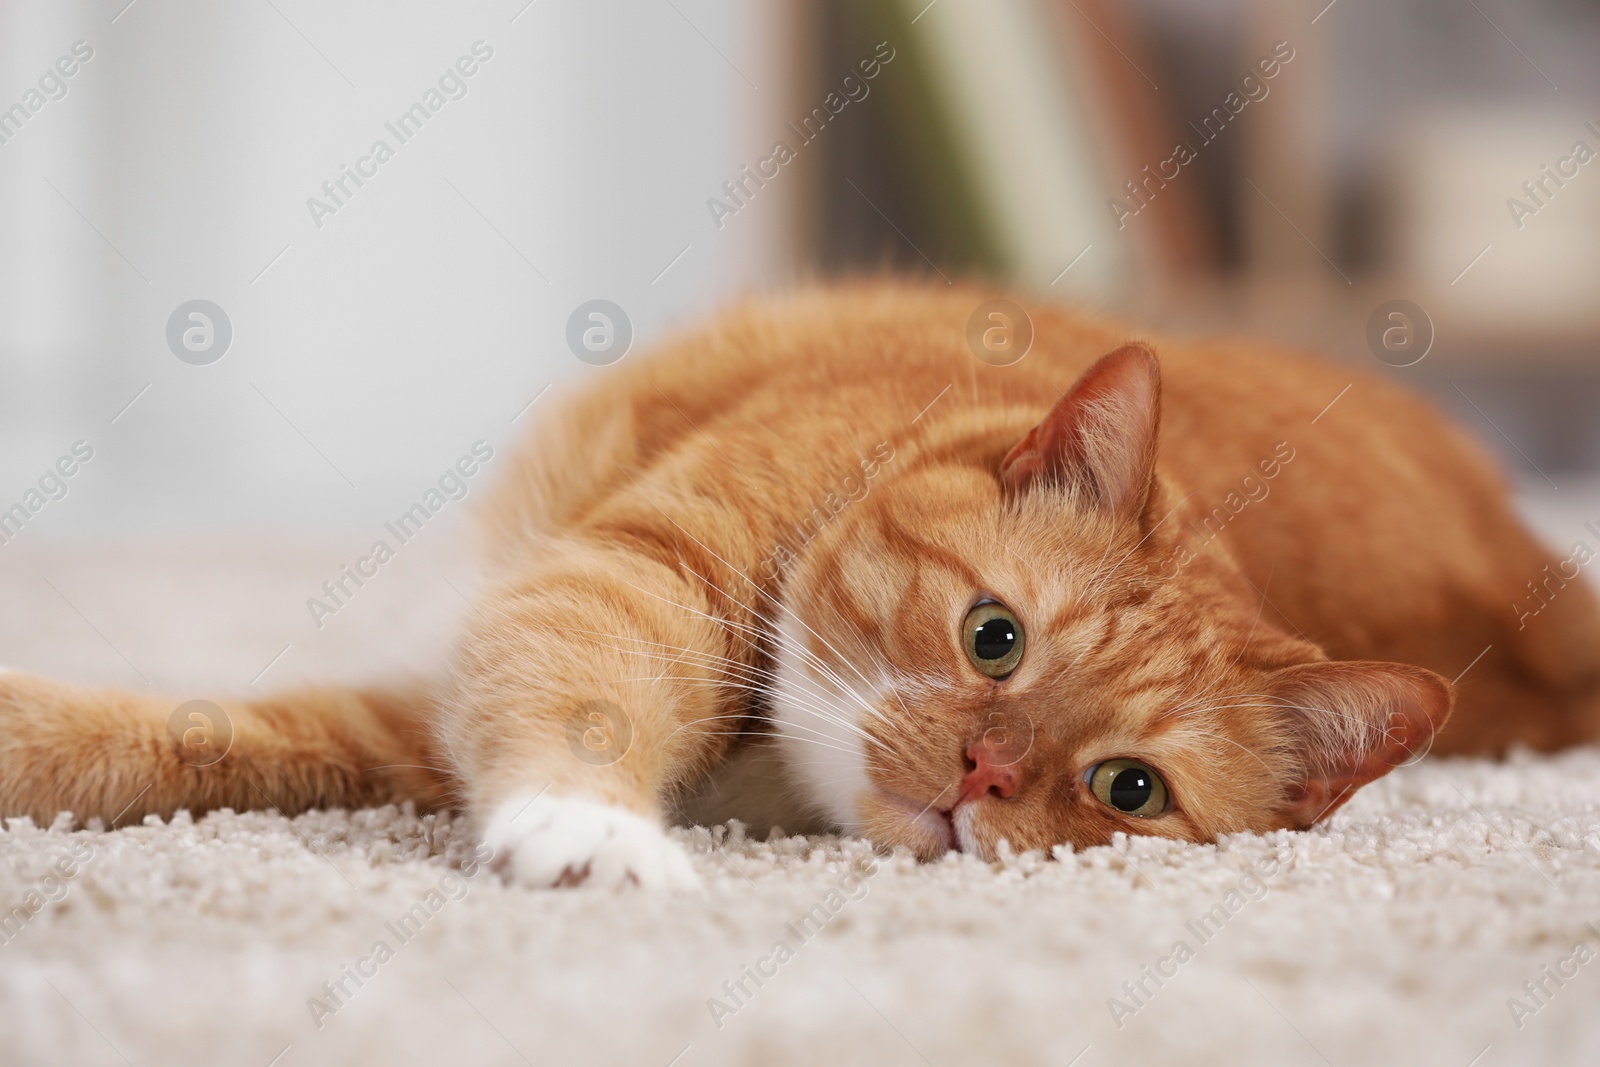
(1128, 786)
(993, 639)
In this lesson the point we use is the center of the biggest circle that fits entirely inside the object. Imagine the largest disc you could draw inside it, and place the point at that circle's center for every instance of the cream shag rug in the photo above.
(1449, 915)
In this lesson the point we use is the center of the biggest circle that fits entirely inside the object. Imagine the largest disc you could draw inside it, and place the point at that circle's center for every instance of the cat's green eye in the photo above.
(993, 639)
(1128, 786)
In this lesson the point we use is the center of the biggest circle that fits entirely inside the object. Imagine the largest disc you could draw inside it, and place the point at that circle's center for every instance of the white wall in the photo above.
(407, 326)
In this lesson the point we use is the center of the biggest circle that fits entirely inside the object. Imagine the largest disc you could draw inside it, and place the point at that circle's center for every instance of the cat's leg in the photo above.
(589, 690)
(1532, 659)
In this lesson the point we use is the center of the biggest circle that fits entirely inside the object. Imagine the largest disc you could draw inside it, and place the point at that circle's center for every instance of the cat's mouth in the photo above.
(962, 830)
(929, 831)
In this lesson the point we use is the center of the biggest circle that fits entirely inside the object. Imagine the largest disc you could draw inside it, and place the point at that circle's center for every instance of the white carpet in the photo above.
(1396, 934)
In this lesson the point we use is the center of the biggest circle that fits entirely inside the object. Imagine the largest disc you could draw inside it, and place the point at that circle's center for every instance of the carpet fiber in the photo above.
(1403, 931)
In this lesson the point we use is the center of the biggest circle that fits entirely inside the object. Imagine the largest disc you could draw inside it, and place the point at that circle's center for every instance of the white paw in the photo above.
(565, 841)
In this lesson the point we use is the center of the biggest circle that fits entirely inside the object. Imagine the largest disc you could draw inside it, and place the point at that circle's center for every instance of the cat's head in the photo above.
(1002, 648)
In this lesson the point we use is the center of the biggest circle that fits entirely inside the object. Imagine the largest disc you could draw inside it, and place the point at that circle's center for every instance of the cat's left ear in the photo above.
(1100, 437)
(1354, 722)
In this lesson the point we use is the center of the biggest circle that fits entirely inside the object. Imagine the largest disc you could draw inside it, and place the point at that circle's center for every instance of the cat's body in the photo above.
(797, 522)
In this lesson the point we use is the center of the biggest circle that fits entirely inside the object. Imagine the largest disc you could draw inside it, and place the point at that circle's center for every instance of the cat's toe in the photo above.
(568, 841)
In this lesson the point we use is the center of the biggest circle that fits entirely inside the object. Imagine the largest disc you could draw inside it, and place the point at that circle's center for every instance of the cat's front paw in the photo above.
(568, 841)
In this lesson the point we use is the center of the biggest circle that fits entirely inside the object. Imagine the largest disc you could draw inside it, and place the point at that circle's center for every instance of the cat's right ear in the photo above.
(1353, 722)
(1100, 437)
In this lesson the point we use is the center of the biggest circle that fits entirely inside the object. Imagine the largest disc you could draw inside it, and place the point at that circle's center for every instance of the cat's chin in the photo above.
(890, 819)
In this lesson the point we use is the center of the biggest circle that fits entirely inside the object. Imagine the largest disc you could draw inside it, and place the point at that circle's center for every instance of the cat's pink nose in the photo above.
(993, 771)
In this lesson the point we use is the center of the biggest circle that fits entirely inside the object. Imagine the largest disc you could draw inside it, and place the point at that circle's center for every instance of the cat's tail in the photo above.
(119, 756)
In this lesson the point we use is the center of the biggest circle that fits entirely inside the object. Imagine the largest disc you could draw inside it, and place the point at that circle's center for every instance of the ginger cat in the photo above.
(1165, 588)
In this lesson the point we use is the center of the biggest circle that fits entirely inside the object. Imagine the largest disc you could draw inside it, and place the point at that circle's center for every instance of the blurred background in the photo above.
(1288, 169)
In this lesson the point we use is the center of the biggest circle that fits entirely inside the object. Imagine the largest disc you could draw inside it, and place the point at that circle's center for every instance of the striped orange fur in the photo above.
(770, 531)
